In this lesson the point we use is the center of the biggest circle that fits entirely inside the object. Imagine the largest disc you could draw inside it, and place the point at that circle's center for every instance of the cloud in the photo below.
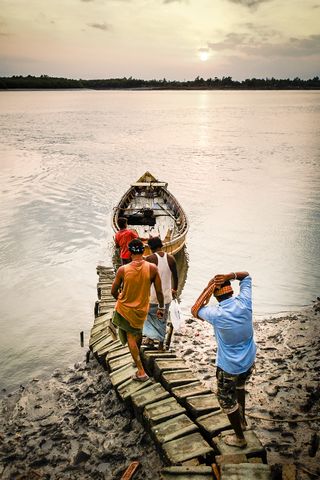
(249, 45)
(232, 41)
(249, 3)
(172, 1)
(100, 26)
(294, 47)
(262, 31)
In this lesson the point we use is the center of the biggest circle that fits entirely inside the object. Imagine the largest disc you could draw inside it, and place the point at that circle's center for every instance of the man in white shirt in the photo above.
(155, 328)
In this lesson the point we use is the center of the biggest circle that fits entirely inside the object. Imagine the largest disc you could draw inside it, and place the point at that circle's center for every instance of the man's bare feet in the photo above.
(234, 441)
(148, 342)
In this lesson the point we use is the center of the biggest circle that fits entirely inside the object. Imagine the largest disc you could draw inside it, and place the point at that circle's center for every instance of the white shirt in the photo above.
(166, 280)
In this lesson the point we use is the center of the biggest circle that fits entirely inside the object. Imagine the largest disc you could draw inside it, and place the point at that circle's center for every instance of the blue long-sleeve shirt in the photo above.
(232, 323)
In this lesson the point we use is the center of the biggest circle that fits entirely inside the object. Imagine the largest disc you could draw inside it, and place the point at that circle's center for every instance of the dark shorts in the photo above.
(228, 385)
(124, 327)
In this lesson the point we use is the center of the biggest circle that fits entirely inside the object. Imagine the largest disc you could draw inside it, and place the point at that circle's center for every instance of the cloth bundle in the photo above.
(203, 298)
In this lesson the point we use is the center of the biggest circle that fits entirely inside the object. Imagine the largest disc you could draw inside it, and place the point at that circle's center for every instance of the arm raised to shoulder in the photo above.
(214, 283)
(220, 278)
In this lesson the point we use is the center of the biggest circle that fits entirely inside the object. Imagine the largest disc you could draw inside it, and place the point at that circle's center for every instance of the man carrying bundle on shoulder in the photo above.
(131, 289)
(236, 349)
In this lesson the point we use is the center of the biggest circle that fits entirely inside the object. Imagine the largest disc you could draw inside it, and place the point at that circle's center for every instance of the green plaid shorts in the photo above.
(124, 327)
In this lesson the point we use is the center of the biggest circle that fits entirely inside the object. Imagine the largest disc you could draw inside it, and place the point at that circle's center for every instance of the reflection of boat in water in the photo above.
(182, 267)
(153, 211)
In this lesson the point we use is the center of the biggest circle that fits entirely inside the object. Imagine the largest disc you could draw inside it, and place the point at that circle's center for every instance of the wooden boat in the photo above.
(153, 211)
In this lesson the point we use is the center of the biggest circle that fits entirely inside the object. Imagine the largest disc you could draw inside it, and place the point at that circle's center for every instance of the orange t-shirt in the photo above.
(133, 301)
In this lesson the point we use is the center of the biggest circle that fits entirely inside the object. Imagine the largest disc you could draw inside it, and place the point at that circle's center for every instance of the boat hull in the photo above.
(152, 211)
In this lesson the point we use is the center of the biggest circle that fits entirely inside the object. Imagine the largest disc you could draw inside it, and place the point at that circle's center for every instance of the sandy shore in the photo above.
(72, 426)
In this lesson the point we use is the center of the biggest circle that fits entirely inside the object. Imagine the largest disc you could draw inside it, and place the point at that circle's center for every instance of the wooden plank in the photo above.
(120, 362)
(105, 284)
(149, 184)
(202, 404)
(213, 423)
(174, 428)
(99, 327)
(254, 445)
(160, 411)
(98, 337)
(102, 310)
(106, 297)
(194, 472)
(117, 352)
(167, 365)
(176, 378)
(154, 393)
(186, 448)
(191, 389)
(128, 474)
(129, 387)
(102, 319)
(109, 348)
(122, 374)
(249, 471)
(102, 343)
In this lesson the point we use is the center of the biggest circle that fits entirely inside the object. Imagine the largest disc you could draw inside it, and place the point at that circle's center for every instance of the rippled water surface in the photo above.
(244, 166)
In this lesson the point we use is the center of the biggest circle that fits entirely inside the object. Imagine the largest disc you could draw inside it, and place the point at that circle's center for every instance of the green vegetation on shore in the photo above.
(46, 82)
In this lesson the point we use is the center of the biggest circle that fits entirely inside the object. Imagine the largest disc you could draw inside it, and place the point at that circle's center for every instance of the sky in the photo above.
(172, 39)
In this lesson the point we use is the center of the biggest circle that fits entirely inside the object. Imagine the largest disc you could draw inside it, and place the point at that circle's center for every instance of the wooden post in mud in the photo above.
(169, 336)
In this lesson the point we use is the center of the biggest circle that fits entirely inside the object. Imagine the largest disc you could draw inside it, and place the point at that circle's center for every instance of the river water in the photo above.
(244, 166)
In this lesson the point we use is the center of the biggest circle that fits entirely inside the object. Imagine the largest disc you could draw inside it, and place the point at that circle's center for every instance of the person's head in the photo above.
(155, 243)
(136, 247)
(224, 292)
(122, 223)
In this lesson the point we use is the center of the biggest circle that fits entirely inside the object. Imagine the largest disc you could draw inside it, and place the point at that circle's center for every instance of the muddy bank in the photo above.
(72, 426)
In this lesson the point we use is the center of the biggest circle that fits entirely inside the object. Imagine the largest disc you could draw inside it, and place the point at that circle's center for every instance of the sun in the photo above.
(203, 55)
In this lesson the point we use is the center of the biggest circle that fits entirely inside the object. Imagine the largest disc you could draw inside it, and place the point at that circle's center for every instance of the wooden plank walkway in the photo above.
(179, 413)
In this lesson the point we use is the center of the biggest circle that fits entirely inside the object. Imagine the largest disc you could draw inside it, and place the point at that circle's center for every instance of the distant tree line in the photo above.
(46, 82)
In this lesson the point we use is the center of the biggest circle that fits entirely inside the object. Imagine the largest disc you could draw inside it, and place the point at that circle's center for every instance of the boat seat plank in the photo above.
(149, 184)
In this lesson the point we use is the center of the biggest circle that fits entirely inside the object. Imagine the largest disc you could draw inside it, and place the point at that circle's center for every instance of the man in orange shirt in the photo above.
(131, 289)
(122, 239)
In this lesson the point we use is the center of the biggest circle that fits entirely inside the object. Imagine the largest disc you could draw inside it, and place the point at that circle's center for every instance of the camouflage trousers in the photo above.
(228, 384)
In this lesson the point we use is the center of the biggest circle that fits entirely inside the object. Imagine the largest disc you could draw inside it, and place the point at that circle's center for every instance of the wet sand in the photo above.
(72, 426)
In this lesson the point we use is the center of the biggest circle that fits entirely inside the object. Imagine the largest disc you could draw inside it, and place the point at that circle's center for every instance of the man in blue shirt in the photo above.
(236, 349)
